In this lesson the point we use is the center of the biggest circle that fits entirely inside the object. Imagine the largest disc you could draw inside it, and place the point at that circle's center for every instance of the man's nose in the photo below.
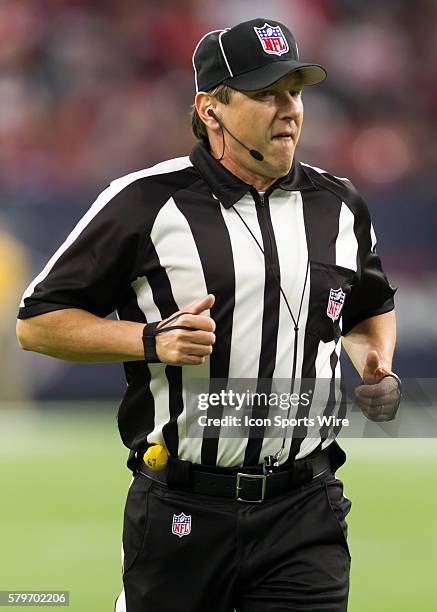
(289, 105)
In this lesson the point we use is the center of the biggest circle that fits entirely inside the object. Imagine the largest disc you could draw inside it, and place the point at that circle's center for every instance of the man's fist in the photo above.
(189, 337)
(380, 394)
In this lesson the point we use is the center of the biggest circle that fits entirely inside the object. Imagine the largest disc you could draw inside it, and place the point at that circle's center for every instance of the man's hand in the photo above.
(187, 346)
(379, 395)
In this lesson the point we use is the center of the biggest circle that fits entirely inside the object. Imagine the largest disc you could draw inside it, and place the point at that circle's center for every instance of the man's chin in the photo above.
(280, 168)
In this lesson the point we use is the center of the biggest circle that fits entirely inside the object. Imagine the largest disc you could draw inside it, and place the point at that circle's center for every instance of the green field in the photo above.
(63, 484)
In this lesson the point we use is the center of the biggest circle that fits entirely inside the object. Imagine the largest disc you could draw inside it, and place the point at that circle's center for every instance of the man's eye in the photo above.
(264, 94)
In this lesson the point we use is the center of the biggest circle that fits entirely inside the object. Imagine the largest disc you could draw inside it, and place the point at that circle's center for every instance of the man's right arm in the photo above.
(63, 311)
(77, 335)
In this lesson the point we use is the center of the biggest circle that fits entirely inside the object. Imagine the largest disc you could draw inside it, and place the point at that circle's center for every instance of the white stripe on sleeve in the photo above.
(102, 200)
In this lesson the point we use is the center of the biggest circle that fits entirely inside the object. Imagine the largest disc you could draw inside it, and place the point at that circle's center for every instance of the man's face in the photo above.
(268, 120)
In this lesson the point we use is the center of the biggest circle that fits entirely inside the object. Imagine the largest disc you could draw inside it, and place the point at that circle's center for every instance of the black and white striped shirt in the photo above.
(161, 238)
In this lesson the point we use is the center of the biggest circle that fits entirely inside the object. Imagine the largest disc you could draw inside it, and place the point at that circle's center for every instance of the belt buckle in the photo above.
(238, 487)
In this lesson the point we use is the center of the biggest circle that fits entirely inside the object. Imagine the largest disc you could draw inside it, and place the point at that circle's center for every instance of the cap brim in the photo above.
(265, 76)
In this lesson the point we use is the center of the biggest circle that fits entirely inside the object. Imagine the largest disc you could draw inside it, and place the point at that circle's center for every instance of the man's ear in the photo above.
(203, 103)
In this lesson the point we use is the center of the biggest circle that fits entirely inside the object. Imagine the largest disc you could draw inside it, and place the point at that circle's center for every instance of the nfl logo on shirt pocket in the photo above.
(335, 303)
(181, 525)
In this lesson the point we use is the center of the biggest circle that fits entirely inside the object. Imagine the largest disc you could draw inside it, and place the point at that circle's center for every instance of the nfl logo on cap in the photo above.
(181, 525)
(335, 303)
(272, 39)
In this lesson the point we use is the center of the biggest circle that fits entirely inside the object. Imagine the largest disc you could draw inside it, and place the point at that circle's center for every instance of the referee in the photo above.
(236, 263)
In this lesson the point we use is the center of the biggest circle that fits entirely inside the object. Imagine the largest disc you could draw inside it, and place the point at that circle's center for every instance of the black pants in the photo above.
(287, 554)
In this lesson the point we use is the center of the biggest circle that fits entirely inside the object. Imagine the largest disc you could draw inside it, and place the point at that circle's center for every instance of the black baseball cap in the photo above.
(251, 55)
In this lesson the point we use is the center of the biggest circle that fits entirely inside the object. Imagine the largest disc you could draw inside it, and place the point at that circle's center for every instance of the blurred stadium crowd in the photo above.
(93, 89)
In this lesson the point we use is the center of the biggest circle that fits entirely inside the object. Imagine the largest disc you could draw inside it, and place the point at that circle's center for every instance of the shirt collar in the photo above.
(229, 189)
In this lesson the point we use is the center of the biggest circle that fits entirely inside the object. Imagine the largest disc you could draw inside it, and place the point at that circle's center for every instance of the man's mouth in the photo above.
(283, 136)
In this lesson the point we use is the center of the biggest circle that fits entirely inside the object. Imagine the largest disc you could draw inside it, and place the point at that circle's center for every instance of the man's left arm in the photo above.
(370, 346)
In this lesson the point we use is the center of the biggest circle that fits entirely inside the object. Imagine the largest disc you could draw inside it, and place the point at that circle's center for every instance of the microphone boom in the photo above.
(253, 152)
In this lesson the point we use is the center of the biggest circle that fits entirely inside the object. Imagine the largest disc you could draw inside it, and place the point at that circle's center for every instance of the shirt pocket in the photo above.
(330, 288)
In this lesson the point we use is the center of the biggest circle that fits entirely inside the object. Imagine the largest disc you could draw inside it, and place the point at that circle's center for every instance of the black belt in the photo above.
(245, 485)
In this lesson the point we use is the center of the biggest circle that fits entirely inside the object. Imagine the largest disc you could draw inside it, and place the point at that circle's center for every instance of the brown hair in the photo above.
(223, 94)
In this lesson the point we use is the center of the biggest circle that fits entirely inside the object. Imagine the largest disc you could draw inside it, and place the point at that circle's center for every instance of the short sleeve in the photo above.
(371, 293)
(94, 267)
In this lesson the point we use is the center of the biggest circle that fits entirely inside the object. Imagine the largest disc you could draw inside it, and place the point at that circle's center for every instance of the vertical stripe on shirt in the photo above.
(213, 269)
(175, 245)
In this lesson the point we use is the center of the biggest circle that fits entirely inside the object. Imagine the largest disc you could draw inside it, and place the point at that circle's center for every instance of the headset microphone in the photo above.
(255, 154)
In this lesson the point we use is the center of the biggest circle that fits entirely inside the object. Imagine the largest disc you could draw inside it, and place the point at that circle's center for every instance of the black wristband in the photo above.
(149, 343)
